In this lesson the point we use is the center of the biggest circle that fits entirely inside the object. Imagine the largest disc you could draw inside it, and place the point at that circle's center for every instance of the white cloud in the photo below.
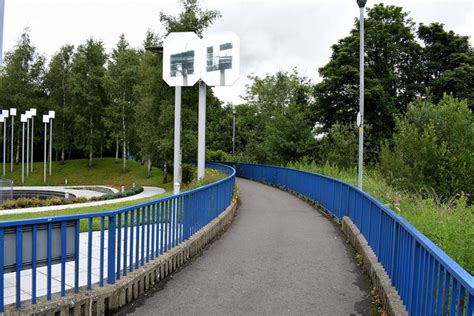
(275, 34)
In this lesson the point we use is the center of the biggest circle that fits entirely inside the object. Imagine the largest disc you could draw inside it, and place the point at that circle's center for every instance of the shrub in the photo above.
(217, 155)
(432, 149)
(188, 173)
(340, 146)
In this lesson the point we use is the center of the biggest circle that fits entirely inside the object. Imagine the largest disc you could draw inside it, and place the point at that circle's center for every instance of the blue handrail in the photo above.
(426, 278)
(135, 235)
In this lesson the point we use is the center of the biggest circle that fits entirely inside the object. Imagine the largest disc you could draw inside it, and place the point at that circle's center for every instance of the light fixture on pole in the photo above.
(28, 117)
(45, 121)
(52, 115)
(23, 120)
(5, 115)
(33, 114)
(12, 114)
(360, 115)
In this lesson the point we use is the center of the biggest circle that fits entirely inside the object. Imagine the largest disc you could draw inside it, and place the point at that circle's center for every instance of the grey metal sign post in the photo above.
(201, 131)
(361, 4)
(12, 114)
(181, 68)
(28, 117)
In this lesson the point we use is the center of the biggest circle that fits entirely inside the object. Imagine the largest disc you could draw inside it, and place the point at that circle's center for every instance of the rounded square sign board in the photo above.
(181, 59)
(222, 58)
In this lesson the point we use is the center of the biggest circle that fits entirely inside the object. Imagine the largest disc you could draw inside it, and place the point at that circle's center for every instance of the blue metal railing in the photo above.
(428, 281)
(127, 238)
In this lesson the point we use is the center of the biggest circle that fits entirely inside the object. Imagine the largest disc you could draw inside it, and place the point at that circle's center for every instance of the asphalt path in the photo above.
(279, 257)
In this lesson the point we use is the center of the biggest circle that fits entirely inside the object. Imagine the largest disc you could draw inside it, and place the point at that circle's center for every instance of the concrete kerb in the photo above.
(391, 301)
(100, 300)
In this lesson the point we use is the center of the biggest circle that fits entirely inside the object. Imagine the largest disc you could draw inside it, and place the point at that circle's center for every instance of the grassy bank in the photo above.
(449, 224)
(210, 177)
(104, 172)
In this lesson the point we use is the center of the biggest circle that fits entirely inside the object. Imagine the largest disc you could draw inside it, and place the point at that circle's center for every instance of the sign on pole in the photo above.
(182, 59)
(222, 55)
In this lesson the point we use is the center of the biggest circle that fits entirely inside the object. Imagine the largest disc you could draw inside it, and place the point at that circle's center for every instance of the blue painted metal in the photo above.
(171, 220)
(428, 281)
(33, 264)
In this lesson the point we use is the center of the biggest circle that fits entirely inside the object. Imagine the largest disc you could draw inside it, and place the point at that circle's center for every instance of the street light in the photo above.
(33, 114)
(23, 120)
(5, 114)
(45, 121)
(360, 116)
(12, 114)
(28, 117)
(233, 130)
(52, 115)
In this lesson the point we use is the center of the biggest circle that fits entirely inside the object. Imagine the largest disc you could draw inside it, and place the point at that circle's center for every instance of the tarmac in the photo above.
(281, 256)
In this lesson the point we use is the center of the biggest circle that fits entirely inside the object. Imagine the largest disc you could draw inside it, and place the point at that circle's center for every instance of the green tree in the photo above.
(89, 97)
(192, 18)
(392, 73)
(58, 85)
(448, 63)
(120, 79)
(432, 148)
(21, 81)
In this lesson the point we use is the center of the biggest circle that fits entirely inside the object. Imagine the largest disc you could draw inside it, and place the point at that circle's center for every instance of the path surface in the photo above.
(279, 257)
(147, 192)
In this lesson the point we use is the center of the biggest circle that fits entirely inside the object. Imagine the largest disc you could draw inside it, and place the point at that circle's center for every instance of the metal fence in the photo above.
(121, 240)
(428, 281)
(6, 189)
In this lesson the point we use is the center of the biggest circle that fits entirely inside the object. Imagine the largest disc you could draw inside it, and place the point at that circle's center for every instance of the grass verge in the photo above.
(449, 224)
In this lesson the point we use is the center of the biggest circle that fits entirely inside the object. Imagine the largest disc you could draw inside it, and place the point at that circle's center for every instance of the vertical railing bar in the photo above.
(119, 245)
(132, 217)
(111, 255)
(148, 233)
(89, 254)
(101, 253)
(2, 277)
(63, 258)
(49, 258)
(137, 239)
(152, 240)
(19, 263)
(125, 242)
(76, 256)
(33, 263)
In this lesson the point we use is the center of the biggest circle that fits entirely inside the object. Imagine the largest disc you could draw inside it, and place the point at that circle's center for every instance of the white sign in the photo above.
(182, 59)
(222, 55)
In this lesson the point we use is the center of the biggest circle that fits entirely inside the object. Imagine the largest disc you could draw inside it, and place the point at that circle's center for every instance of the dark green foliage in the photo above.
(188, 173)
(340, 146)
(432, 148)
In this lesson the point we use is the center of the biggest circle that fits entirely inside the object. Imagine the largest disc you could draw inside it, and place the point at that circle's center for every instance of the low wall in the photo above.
(100, 300)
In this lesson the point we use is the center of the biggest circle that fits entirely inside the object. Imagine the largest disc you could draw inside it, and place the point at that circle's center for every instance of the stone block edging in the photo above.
(391, 301)
(100, 300)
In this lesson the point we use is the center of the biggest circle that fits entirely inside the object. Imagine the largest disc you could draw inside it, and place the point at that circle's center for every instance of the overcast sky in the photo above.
(275, 34)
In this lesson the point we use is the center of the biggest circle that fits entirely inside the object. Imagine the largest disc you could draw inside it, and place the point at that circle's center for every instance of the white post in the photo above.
(361, 4)
(23, 119)
(12, 114)
(33, 114)
(177, 140)
(52, 115)
(201, 131)
(28, 116)
(4, 143)
(233, 130)
(45, 148)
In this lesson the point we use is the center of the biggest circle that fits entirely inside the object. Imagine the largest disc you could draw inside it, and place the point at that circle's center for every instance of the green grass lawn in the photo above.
(210, 177)
(104, 172)
(449, 224)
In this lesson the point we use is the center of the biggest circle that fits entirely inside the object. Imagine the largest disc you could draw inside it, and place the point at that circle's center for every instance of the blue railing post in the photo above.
(111, 251)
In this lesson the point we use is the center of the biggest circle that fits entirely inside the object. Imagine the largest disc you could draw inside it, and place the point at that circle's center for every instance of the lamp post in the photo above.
(33, 114)
(12, 114)
(360, 116)
(45, 121)
(5, 115)
(201, 131)
(52, 115)
(233, 130)
(28, 117)
(23, 120)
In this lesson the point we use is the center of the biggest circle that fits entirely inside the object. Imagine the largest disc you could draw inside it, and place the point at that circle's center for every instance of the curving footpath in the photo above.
(279, 257)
